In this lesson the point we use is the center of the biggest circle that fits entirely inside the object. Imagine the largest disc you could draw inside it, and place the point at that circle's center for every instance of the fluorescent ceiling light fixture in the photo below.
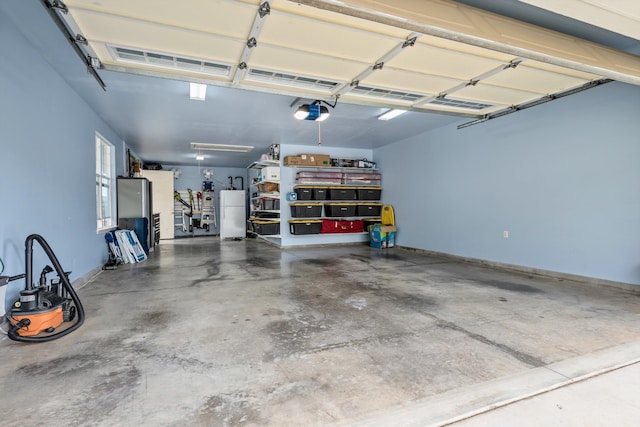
(313, 111)
(197, 91)
(390, 114)
(221, 147)
(199, 156)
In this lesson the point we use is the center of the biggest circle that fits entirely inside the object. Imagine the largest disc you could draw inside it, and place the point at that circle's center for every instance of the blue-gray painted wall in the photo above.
(562, 178)
(191, 178)
(47, 164)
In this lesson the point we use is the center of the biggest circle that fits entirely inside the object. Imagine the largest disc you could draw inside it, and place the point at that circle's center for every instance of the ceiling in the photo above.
(364, 60)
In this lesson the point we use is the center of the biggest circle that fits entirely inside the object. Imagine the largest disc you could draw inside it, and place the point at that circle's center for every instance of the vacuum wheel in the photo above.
(69, 314)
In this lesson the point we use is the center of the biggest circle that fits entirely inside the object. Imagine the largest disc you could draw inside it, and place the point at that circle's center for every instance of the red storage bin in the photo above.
(341, 226)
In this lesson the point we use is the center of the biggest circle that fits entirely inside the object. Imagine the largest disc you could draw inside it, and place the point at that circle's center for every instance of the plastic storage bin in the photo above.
(266, 215)
(319, 177)
(306, 210)
(304, 193)
(311, 192)
(340, 209)
(267, 204)
(352, 178)
(265, 227)
(314, 174)
(369, 193)
(320, 193)
(302, 226)
(271, 204)
(369, 209)
(342, 193)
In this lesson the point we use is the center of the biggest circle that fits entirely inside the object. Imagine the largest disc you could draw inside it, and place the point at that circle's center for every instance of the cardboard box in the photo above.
(307, 159)
(292, 160)
(323, 160)
(382, 236)
(268, 187)
(270, 173)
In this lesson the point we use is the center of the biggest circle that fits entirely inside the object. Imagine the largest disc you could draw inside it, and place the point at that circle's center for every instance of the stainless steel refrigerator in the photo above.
(135, 210)
(233, 214)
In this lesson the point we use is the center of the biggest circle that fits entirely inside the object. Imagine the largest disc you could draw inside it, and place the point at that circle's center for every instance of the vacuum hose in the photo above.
(13, 332)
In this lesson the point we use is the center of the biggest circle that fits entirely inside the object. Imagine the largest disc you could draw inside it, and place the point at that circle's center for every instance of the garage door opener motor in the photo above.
(40, 311)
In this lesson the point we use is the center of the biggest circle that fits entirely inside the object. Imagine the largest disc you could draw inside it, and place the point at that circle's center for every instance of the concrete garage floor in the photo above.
(210, 333)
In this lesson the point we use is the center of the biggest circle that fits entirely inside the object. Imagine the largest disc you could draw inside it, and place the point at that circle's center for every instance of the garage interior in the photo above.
(512, 174)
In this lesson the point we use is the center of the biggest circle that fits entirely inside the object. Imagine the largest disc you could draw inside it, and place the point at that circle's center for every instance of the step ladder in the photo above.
(182, 214)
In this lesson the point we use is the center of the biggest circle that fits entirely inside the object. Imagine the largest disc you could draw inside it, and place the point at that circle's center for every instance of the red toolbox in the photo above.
(341, 226)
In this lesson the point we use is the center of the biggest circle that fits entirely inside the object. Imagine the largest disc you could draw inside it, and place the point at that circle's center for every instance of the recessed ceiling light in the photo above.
(221, 147)
(197, 91)
(390, 114)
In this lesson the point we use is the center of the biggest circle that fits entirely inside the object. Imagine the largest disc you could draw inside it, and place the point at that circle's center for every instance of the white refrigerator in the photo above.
(233, 214)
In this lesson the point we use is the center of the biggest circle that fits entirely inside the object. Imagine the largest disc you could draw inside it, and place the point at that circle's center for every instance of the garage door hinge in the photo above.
(265, 9)
(410, 42)
(59, 5)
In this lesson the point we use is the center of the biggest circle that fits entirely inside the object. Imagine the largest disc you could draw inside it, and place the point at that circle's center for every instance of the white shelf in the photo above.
(362, 233)
(268, 211)
(270, 195)
(267, 196)
(340, 168)
(268, 236)
(263, 164)
(337, 202)
(339, 218)
(320, 184)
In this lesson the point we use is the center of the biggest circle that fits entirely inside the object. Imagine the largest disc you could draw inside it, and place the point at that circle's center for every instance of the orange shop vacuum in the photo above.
(49, 310)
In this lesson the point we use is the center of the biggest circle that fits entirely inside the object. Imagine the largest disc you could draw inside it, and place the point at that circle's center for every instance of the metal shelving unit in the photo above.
(258, 202)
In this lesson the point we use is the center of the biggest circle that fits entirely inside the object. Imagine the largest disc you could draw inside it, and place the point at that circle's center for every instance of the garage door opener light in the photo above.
(313, 111)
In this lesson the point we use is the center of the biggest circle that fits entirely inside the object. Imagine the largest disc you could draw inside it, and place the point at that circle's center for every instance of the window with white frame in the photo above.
(105, 172)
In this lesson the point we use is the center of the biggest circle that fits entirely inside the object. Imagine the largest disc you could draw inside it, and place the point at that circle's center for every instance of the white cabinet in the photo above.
(162, 199)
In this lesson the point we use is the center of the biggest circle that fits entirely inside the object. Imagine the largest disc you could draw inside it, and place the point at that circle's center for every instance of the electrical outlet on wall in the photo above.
(505, 234)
